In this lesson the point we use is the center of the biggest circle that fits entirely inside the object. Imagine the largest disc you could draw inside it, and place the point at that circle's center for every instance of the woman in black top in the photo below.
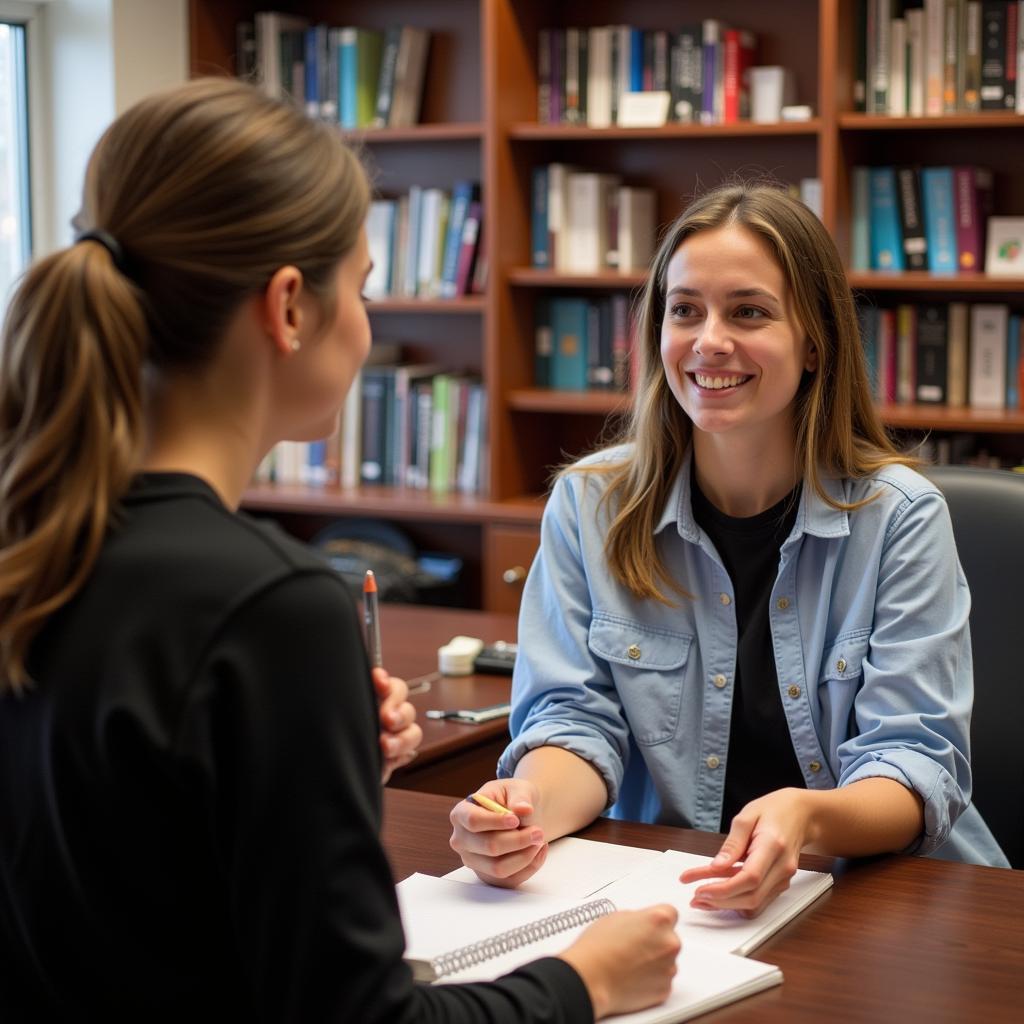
(189, 751)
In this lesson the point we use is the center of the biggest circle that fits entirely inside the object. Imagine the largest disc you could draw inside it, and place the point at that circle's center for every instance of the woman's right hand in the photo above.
(627, 960)
(503, 849)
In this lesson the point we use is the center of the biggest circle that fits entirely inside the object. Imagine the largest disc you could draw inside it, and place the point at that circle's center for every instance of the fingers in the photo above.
(765, 874)
(396, 745)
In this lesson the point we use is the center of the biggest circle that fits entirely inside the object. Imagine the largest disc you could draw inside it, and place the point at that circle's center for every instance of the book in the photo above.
(860, 232)
(1004, 256)
(973, 187)
(956, 380)
(987, 377)
(932, 354)
(465, 930)
(386, 79)
(915, 248)
(635, 234)
(993, 55)
(939, 218)
(906, 358)
(885, 232)
(410, 71)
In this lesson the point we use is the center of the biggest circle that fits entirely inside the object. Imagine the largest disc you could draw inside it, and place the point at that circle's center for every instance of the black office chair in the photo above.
(987, 509)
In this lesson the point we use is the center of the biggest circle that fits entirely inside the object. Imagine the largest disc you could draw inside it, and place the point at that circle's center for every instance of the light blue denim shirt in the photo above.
(869, 621)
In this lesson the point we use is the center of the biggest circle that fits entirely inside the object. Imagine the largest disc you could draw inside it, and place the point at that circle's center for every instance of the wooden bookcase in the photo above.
(479, 120)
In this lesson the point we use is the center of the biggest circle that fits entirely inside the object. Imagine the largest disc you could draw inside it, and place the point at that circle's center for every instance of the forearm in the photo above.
(867, 817)
(571, 792)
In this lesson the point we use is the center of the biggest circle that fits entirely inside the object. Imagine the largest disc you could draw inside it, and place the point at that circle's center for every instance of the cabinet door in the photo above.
(508, 554)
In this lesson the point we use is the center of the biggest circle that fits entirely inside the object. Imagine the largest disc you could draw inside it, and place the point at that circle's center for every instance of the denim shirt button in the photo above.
(841, 665)
(719, 681)
(815, 766)
(793, 690)
(725, 598)
(783, 603)
(633, 652)
(713, 762)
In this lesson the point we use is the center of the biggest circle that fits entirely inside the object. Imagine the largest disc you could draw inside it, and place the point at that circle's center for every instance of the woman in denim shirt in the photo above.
(748, 615)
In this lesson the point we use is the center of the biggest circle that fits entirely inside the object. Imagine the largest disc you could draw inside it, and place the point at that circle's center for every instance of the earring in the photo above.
(296, 344)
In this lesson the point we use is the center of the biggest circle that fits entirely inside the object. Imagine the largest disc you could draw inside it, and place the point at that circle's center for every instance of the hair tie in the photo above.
(110, 243)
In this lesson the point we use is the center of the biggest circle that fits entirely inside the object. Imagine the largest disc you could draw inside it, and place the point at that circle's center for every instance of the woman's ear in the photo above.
(282, 315)
(811, 360)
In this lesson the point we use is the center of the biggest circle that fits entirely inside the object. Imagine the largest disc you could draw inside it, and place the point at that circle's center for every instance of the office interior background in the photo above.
(502, 321)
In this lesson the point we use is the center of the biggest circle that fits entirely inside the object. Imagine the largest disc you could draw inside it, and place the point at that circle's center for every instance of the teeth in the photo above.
(717, 383)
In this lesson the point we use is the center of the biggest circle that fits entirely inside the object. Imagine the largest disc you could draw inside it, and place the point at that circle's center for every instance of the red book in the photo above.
(887, 355)
(738, 57)
(972, 192)
(467, 249)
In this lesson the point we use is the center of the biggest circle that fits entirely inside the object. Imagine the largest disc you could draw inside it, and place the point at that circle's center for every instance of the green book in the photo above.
(440, 441)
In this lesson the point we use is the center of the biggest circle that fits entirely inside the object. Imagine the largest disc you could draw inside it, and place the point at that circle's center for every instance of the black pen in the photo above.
(371, 618)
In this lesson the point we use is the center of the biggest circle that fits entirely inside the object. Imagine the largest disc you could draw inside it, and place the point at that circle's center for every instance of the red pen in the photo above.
(371, 619)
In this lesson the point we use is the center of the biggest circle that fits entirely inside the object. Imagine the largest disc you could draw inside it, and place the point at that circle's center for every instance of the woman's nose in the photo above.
(713, 338)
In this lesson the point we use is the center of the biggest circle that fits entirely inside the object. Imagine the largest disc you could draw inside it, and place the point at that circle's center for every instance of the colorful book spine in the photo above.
(469, 250)
(915, 254)
(958, 332)
(1013, 362)
(906, 357)
(973, 187)
(860, 228)
(539, 240)
(543, 343)
(939, 219)
(463, 194)
(886, 236)
(569, 341)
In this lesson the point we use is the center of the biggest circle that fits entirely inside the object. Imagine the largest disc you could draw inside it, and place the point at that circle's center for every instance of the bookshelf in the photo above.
(479, 120)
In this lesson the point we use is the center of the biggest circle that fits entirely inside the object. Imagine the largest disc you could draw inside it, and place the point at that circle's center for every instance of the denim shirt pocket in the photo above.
(648, 666)
(843, 660)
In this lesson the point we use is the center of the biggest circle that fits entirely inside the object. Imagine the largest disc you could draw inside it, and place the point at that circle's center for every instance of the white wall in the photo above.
(98, 57)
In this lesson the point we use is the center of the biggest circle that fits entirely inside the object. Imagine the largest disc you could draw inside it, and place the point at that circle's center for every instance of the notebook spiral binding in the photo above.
(486, 949)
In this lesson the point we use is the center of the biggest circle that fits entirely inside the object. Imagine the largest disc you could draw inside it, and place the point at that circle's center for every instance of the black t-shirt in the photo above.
(760, 757)
(190, 798)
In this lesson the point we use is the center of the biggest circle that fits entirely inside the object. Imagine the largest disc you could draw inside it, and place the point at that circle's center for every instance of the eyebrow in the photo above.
(737, 293)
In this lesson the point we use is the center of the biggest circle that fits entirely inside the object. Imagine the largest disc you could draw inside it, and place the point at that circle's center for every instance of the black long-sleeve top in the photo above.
(190, 802)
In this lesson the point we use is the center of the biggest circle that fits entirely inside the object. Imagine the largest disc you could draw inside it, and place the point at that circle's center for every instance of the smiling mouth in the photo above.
(718, 382)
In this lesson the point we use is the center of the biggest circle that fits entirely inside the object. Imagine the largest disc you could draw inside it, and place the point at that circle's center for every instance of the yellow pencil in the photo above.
(488, 804)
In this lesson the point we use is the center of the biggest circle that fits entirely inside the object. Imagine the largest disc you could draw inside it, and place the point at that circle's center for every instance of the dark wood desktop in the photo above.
(899, 939)
(454, 757)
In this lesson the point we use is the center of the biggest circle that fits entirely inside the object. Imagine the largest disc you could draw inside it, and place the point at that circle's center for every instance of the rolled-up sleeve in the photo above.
(563, 695)
(913, 709)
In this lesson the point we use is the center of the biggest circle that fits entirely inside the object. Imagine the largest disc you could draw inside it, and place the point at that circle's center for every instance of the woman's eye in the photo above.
(682, 309)
(750, 313)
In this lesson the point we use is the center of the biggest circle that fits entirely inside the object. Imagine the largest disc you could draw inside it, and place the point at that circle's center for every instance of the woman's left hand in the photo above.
(767, 836)
(399, 733)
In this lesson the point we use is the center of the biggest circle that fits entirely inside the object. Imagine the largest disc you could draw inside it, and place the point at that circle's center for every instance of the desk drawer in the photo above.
(508, 554)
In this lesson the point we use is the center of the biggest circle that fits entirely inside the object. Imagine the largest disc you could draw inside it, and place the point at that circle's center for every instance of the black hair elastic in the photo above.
(110, 243)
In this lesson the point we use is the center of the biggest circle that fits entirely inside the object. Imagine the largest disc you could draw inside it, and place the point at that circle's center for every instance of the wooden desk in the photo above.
(454, 757)
(899, 939)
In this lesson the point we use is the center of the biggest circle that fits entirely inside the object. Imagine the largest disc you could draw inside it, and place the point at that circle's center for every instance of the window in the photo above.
(15, 197)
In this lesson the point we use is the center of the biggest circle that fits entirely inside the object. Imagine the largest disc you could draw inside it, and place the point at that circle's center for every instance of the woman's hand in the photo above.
(767, 835)
(503, 849)
(627, 960)
(400, 736)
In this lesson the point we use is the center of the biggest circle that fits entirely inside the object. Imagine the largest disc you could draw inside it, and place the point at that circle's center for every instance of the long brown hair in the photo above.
(838, 431)
(208, 189)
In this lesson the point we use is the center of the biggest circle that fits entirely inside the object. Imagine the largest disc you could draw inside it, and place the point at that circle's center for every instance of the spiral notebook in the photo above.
(460, 931)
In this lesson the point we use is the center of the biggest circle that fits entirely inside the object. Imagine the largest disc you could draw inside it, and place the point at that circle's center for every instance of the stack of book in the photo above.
(938, 57)
(582, 73)
(355, 77)
(586, 222)
(952, 354)
(910, 218)
(583, 343)
(427, 244)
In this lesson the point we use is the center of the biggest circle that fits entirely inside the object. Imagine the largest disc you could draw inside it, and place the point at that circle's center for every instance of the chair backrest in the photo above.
(987, 509)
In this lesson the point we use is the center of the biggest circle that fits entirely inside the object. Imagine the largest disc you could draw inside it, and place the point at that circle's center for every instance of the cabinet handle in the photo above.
(514, 575)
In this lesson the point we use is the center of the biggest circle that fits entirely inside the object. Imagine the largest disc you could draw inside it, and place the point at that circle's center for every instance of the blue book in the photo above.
(462, 195)
(348, 109)
(636, 60)
(939, 219)
(1013, 362)
(886, 235)
(541, 256)
(569, 340)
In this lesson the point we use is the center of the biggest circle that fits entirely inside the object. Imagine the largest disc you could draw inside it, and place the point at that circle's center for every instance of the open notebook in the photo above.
(465, 931)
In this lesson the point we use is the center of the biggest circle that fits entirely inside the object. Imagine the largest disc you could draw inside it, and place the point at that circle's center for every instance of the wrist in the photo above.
(600, 1000)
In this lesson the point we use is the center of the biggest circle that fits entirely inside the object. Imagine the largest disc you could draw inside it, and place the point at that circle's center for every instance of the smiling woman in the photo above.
(746, 615)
